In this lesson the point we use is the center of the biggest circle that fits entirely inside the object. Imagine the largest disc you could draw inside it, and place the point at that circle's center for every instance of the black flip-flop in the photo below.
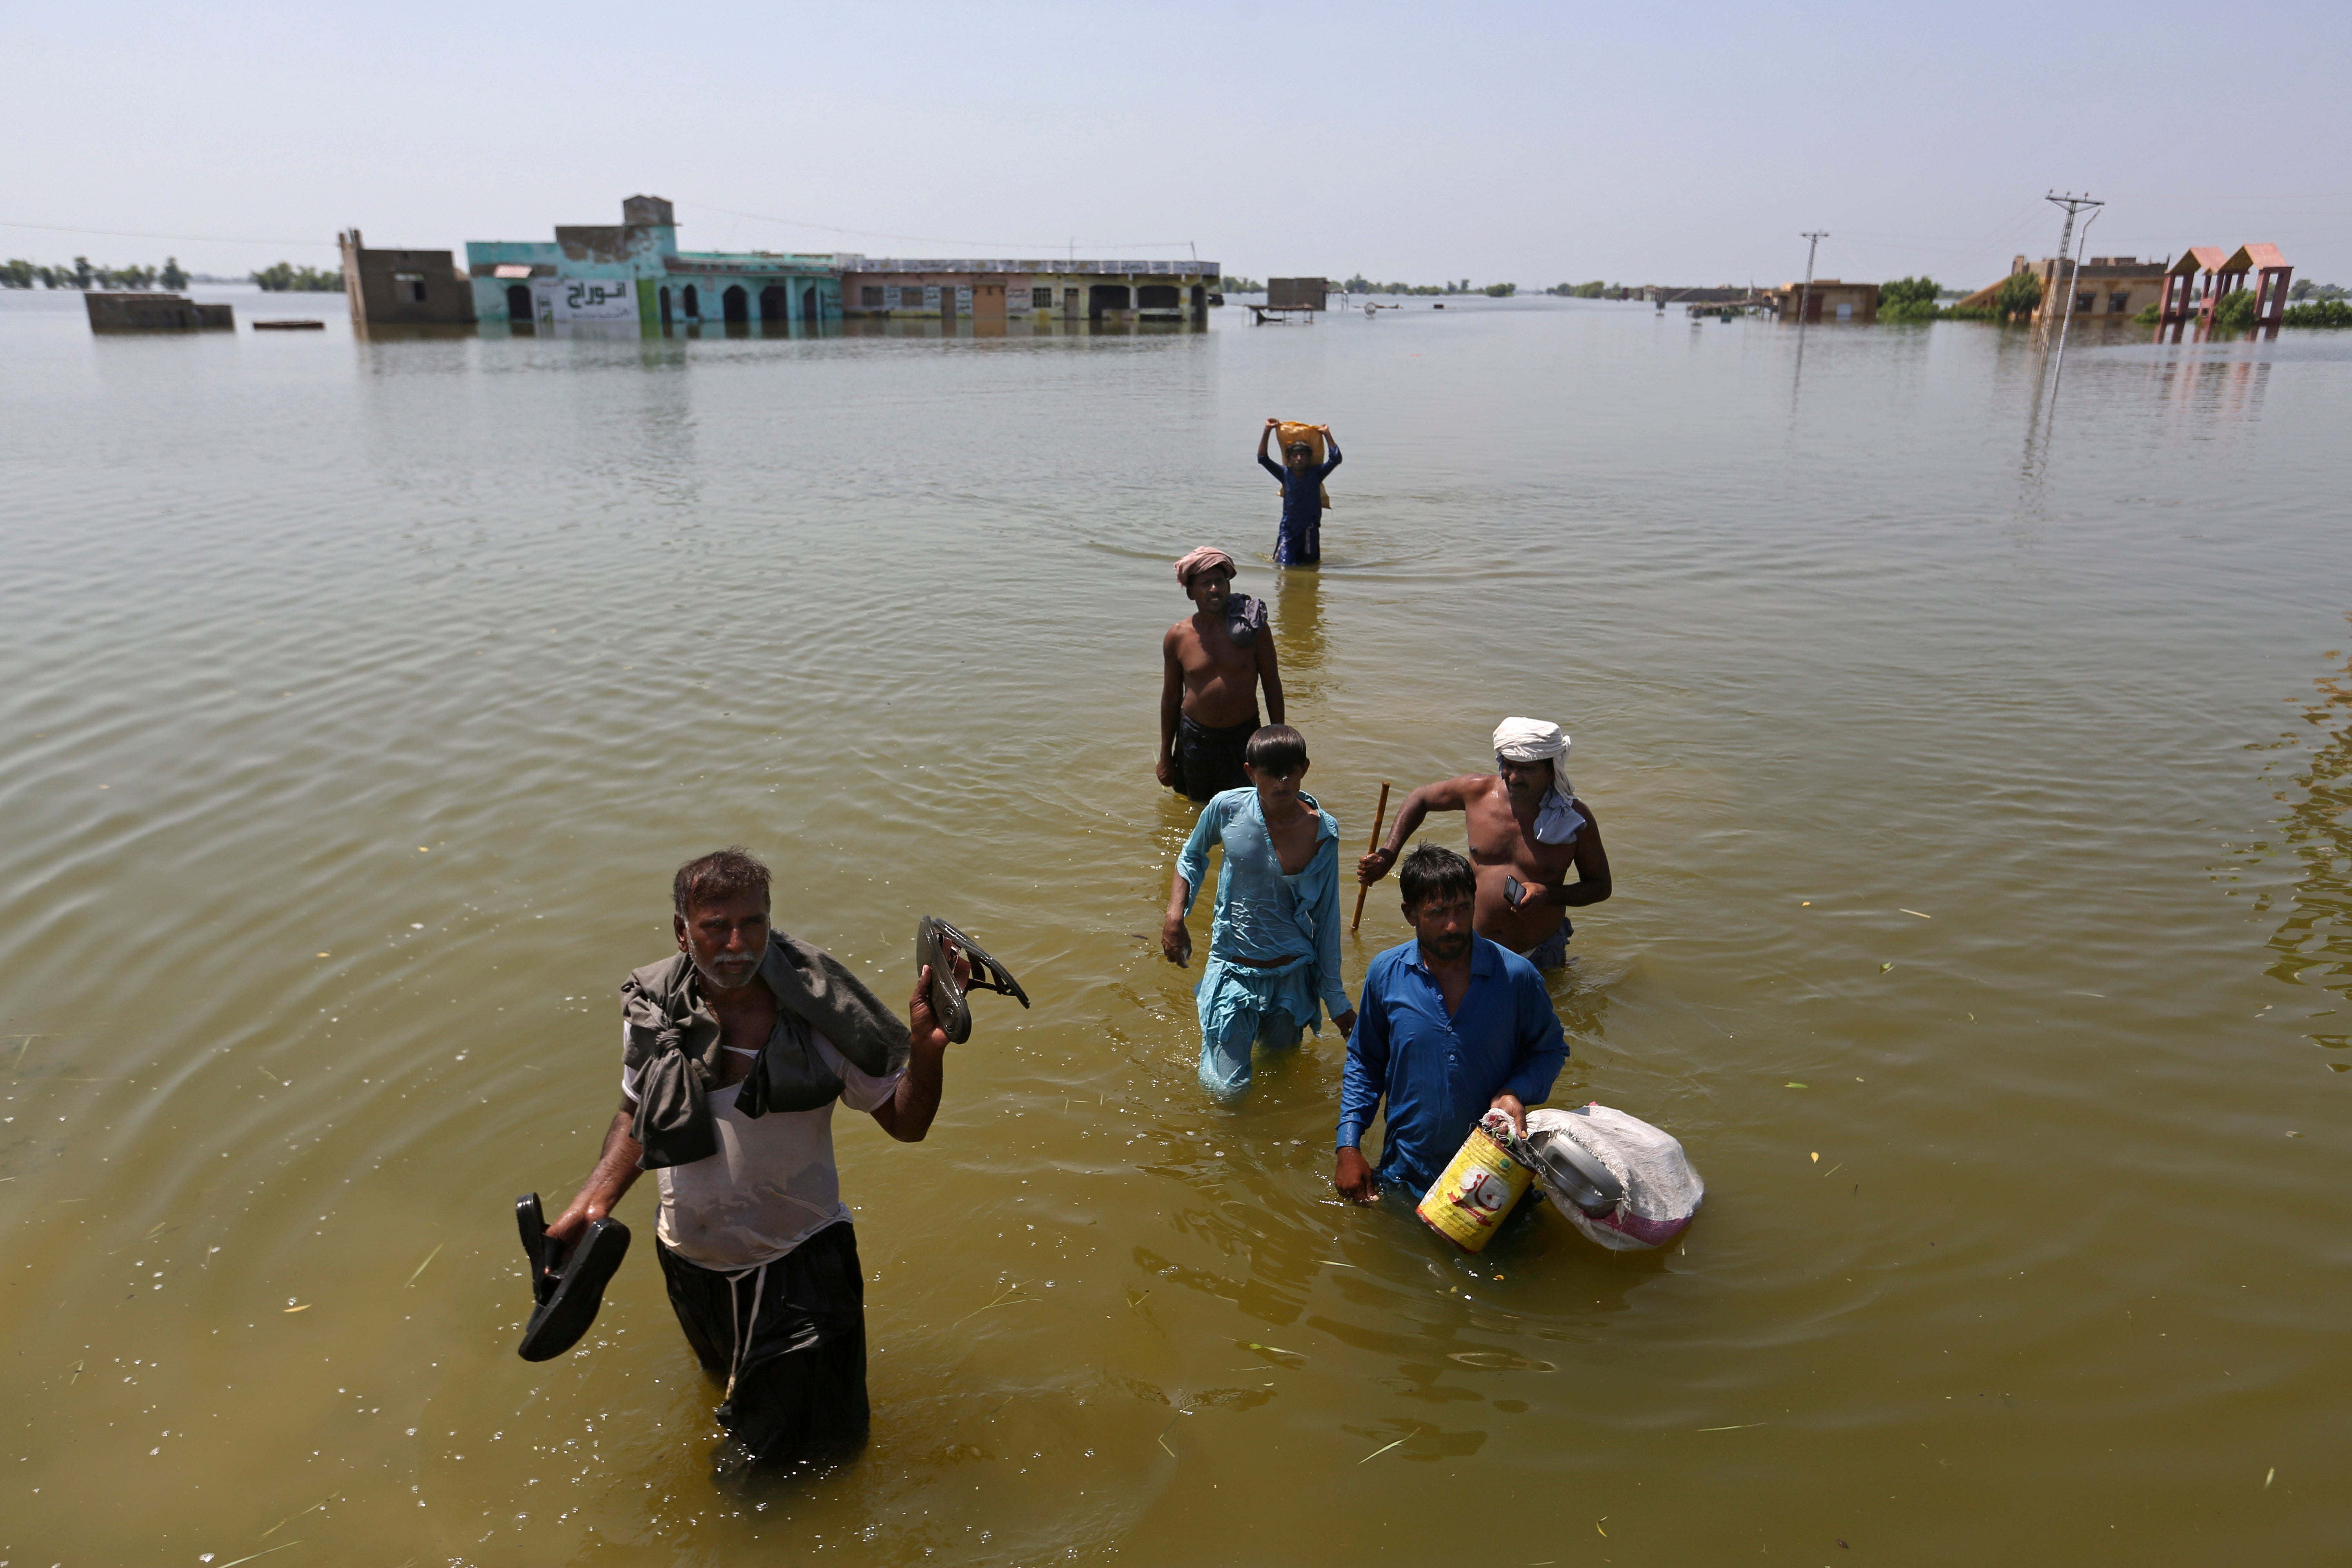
(568, 1293)
(932, 937)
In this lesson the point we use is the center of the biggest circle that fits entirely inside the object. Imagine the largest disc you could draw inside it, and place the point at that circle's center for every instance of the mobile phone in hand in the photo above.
(1514, 892)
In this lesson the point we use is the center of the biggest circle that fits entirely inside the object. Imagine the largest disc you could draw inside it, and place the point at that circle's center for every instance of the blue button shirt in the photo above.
(1438, 1074)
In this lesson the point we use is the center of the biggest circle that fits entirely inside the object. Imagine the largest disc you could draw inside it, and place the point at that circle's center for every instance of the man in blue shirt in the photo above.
(1300, 541)
(1273, 947)
(1449, 1027)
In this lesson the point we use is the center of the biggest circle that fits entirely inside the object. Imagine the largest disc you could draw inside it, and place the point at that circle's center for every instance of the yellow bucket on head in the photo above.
(1469, 1199)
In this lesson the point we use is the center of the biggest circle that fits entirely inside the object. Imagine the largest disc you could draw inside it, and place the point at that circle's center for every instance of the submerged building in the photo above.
(1825, 299)
(1005, 290)
(633, 271)
(148, 312)
(402, 288)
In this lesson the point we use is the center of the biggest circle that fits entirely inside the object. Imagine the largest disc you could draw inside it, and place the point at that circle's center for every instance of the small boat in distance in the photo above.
(293, 326)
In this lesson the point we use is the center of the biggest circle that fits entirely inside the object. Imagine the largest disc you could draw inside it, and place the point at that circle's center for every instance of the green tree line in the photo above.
(287, 277)
(1360, 284)
(21, 274)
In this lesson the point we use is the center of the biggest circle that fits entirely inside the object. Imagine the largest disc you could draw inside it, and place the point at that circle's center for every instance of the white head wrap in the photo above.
(1533, 741)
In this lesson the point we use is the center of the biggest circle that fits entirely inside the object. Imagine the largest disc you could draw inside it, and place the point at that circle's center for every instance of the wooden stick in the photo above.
(1379, 819)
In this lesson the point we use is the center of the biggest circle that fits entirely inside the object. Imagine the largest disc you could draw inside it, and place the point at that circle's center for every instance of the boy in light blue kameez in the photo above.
(1274, 944)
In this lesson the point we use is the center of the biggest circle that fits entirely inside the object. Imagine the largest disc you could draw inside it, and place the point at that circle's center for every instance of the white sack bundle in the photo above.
(1655, 1189)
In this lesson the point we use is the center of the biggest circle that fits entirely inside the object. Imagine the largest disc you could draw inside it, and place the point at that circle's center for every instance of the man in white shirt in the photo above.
(735, 1050)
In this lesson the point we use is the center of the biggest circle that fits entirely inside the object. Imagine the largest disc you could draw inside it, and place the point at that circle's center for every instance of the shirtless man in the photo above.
(1212, 665)
(1527, 829)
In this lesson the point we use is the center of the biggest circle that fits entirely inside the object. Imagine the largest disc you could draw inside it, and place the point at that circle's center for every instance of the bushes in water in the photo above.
(1908, 300)
(2019, 294)
(2319, 313)
(2235, 314)
(285, 276)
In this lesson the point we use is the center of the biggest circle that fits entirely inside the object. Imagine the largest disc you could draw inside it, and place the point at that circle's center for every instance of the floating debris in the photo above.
(427, 1263)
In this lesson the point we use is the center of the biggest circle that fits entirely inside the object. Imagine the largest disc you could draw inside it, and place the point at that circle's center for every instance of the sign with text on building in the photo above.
(557, 300)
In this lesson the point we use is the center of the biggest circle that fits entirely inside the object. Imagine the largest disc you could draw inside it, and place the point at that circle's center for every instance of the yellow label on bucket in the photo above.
(1477, 1189)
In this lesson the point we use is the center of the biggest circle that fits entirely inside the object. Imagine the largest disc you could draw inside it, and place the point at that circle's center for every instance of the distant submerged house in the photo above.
(403, 288)
(1826, 300)
(633, 271)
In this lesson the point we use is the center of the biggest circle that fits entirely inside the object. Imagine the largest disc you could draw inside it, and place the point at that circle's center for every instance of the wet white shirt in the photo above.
(771, 1185)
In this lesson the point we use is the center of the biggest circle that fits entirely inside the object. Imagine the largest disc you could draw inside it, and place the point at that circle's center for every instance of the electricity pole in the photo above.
(1816, 236)
(2059, 274)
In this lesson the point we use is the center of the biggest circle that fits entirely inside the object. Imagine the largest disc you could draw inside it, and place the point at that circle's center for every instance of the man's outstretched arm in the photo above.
(1446, 794)
(617, 1169)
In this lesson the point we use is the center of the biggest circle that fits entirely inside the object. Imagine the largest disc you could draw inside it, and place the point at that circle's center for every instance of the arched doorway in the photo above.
(735, 305)
(1156, 297)
(665, 306)
(1103, 296)
(775, 306)
(693, 303)
(518, 304)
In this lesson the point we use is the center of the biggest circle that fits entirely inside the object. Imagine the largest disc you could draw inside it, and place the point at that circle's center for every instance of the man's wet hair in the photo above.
(1433, 874)
(1276, 748)
(722, 874)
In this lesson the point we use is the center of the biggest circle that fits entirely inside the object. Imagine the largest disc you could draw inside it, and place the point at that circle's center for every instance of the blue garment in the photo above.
(1300, 541)
(1263, 914)
(1240, 1007)
(1437, 1074)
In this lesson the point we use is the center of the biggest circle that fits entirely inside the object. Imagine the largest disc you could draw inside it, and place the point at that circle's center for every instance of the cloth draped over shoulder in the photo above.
(673, 1044)
(1534, 740)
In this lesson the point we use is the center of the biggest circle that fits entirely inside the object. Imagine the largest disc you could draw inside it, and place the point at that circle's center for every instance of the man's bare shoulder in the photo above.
(1469, 789)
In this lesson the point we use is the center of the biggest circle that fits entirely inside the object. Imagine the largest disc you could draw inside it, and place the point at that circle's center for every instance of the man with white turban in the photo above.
(1527, 831)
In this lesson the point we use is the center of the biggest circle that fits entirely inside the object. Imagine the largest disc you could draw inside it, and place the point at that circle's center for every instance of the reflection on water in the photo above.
(2313, 943)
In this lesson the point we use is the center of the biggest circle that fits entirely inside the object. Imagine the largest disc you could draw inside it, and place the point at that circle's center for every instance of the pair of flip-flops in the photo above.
(935, 942)
(567, 1291)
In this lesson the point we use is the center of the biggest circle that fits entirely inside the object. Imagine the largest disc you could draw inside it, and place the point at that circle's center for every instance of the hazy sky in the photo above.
(1537, 143)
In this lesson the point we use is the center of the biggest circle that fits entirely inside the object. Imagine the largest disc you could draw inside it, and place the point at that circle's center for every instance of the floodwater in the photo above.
(1973, 765)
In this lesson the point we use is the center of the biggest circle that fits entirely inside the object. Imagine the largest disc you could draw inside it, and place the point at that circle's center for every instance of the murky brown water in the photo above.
(361, 698)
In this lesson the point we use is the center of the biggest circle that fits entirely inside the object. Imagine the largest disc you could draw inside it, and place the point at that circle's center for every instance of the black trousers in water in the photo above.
(1209, 761)
(791, 1337)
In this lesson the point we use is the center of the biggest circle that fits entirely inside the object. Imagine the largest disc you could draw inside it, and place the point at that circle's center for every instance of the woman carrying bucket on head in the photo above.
(1301, 473)
(1449, 1027)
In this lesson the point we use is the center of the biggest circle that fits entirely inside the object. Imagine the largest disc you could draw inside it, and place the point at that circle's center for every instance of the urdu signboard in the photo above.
(555, 299)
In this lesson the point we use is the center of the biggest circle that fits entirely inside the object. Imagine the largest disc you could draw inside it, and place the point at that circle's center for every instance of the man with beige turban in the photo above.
(1527, 830)
(1211, 665)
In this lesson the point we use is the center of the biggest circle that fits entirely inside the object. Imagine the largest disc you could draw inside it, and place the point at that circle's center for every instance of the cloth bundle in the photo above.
(1662, 1192)
(673, 1045)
